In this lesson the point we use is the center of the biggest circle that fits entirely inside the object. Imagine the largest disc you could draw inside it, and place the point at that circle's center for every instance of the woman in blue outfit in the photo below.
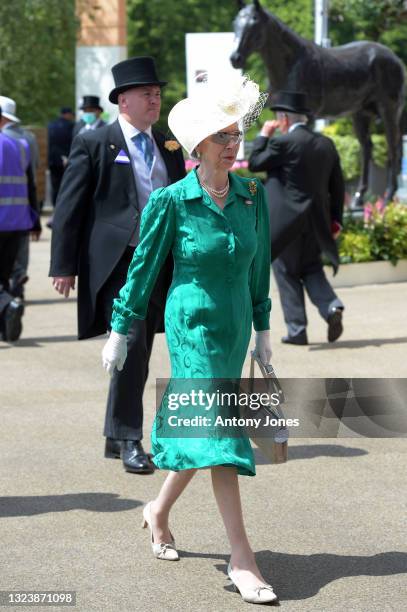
(216, 226)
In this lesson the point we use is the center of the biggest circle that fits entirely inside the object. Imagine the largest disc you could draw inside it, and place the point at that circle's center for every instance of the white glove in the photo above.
(263, 346)
(114, 352)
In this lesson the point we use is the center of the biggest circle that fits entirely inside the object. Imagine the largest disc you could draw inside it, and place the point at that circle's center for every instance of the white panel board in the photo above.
(94, 77)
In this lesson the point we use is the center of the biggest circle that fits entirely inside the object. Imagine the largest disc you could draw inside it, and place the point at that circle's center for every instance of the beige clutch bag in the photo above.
(273, 442)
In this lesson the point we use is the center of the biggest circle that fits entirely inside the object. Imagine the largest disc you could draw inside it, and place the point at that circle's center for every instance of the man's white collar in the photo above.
(129, 130)
(295, 125)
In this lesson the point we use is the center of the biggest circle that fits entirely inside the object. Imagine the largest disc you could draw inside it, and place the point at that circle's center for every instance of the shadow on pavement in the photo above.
(354, 344)
(58, 300)
(295, 577)
(37, 342)
(302, 576)
(311, 451)
(42, 504)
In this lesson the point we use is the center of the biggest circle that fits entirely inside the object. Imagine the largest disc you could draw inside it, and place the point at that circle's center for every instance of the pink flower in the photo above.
(367, 212)
(190, 164)
(243, 163)
(379, 206)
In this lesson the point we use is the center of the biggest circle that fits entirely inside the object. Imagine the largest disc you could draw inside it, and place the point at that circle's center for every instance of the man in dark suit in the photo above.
(306, 194)
(110, 175)
(59, 145)
(91, 119)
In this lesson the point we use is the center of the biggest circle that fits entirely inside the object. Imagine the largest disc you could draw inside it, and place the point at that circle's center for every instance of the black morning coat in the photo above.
(95, 216)
(304, 184)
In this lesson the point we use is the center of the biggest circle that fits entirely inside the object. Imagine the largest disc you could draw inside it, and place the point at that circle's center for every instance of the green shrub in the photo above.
(349, 153)
(379, 153)
(341, 132)
(354, 247)
(380, 236)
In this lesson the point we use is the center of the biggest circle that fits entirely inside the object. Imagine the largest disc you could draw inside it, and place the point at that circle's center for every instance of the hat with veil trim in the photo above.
(219, 101)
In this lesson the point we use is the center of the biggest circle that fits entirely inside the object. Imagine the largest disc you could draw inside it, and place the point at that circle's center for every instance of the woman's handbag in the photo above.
(274, 443)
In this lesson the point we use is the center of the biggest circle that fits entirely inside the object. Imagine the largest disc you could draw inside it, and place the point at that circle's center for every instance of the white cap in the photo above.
(218, 102)
(8, 109)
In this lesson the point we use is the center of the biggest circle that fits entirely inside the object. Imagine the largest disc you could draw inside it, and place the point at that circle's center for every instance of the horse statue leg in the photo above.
(391, 117)
(361, 125)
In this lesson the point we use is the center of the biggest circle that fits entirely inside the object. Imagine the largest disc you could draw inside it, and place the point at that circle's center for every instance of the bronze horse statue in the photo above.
(363, 79)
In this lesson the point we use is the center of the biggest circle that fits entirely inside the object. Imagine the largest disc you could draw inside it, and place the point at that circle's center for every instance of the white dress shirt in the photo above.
(146, 180)
(295, 125)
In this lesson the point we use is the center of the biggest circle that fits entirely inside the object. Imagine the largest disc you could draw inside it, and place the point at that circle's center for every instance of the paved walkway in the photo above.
(328, 527)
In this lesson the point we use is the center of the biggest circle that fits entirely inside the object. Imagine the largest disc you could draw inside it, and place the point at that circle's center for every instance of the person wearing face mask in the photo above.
(91, 115)
(215, 224)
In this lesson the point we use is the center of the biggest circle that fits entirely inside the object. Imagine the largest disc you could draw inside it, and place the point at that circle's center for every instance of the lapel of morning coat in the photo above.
(168, 156)
(116, 143)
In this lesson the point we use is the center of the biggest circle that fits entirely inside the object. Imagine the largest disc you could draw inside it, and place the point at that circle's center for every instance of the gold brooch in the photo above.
(172, 145)
(253, 187)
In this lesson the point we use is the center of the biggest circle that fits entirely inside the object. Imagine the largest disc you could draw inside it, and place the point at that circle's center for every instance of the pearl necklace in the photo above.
(221, 193)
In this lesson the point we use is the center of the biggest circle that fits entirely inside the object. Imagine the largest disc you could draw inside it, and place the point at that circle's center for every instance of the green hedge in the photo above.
(341, 132)
(380, 235)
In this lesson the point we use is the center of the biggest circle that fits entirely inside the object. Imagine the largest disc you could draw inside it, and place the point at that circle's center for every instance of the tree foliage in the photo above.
(37, 41)
(158, 28)
(37, 56)
(382, 21)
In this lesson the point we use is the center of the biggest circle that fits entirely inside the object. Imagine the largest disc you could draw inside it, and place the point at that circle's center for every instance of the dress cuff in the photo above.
(261, 321)
(261, 315)
(121, 325)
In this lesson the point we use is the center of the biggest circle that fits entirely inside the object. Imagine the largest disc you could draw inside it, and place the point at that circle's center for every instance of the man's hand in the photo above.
(336, 229)
(63, 284)
(269, 128)
(35, 235)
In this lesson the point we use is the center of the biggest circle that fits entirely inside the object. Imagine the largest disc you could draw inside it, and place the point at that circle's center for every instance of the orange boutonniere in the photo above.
(172, 145)
(253, 187)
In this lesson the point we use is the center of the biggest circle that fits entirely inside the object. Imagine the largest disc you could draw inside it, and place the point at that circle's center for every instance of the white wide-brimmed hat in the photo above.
(218, 101)
(8, 108)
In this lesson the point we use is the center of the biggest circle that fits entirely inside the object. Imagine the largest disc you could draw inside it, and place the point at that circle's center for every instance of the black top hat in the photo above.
(90, 102)
(133, 72)
(290, 101)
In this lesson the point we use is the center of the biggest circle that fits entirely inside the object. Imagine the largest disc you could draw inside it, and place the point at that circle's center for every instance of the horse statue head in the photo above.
(250, 34)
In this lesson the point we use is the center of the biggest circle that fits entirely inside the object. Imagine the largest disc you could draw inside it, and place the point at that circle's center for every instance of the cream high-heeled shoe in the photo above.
(261, 595)
(163, 550)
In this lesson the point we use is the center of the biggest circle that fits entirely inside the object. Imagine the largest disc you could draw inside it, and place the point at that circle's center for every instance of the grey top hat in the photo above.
(133, 72)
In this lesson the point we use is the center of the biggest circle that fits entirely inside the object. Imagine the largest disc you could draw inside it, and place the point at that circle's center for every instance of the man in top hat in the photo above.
(110, 174)
(306, 194)
(91, 119)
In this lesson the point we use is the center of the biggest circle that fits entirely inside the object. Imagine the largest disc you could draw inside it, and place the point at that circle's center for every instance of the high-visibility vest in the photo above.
(15, 210)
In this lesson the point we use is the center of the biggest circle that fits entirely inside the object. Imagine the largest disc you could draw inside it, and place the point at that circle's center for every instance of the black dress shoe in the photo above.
(135, 459)
(12, 324)
(335, 327)
(113, 448)
(300, 340)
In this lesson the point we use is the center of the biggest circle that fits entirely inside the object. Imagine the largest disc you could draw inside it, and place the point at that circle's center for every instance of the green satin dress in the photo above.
(219, 289)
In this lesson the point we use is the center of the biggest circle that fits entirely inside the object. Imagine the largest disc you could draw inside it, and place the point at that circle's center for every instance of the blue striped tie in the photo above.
(145, 145)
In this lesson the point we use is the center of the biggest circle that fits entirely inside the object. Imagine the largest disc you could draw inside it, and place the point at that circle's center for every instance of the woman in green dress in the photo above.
(216, 226)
